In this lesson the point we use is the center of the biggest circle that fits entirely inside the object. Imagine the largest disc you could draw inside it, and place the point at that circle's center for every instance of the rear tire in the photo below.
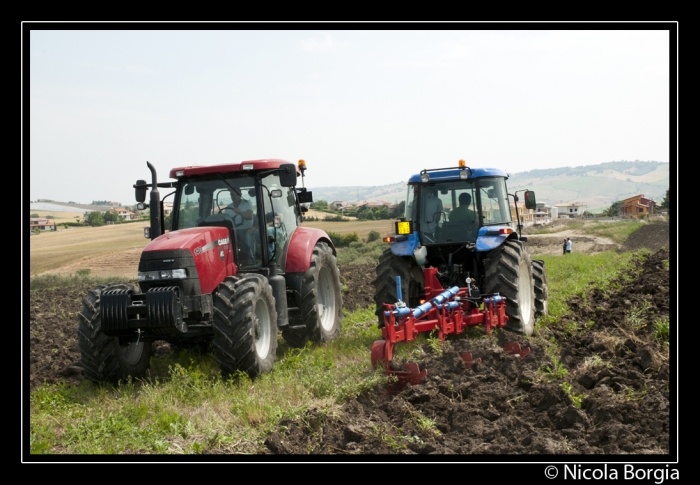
(321, 301)
(412, 282)
(245, 325)
(102, 358)
(509, 272)
(539, 272)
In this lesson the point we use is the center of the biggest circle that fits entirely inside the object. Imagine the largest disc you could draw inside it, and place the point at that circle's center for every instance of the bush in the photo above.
(336, 238)
(350, 238)
(341, 241)
(336, 218)
(373, 236)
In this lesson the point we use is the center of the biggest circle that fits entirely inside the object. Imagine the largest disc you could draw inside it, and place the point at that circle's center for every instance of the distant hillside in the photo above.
(597, 186)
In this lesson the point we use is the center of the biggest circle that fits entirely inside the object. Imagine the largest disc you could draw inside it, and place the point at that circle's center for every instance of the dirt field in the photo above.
(498, 406)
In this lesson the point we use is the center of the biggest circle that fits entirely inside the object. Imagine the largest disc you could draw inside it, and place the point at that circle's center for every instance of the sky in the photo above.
(361, 107)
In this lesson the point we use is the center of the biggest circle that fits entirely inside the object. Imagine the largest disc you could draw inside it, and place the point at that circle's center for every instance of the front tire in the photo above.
(245, 325)
(102, 358)
(321, 301)
(508, 271)
(412, 282)
(539, 272)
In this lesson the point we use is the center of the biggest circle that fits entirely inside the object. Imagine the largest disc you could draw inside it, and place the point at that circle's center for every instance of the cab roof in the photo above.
(453, 174)
(258, 165)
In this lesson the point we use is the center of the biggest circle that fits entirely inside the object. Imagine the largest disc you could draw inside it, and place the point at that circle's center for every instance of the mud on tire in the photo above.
(102, 358)
(390, 266)
(539, 272)
(509, 272)
(321, 301)
(245, 325)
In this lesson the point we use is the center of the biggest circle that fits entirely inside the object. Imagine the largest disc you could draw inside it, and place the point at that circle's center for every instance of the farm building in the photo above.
(637, 206)
(42, 224)
(571, 209)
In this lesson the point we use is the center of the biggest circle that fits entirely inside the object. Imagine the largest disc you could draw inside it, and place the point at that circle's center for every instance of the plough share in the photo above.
(448, 311)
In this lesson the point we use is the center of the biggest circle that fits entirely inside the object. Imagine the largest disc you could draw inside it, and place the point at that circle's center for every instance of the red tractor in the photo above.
(234, 267)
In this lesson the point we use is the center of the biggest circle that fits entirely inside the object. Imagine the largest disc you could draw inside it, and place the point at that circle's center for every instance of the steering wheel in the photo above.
(237, 217)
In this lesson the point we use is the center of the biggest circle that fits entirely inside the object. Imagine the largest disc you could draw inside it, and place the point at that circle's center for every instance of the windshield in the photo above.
(228, 201)
(444, 212)
(450, 212)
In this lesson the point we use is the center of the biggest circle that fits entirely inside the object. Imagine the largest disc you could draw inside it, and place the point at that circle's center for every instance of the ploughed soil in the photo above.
(615, 398)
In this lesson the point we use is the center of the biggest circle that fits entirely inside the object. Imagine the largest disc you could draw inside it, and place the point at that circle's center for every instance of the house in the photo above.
(42, 224)
(637, 206)
(340, 204)
(388, 205)
(544, 215)
(570, 209)
(167, 208)
(125, 214)
(527, 216)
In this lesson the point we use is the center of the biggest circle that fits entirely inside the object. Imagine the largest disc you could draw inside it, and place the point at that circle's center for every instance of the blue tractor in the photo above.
(459, 224)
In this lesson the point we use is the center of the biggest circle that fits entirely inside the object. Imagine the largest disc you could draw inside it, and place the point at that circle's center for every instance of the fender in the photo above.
(301, 247)
(490, 237)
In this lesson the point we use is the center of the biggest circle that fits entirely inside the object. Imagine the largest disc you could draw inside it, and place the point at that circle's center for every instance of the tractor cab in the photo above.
(453, 211)
(260, 213)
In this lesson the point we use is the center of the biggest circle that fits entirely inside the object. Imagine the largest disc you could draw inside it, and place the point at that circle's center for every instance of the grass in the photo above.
(193, 410)
(575, 275)
(576, 399)
(661, 329)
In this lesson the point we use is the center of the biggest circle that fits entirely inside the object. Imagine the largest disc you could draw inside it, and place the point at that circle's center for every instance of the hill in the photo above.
(597, 186)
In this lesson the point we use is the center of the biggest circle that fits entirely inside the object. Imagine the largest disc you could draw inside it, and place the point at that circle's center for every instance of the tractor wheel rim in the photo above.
(261, 328)
(326, 299)
(525, 294)
(132, 352)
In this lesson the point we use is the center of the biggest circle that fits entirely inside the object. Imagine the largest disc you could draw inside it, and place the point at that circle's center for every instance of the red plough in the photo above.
(449, 311)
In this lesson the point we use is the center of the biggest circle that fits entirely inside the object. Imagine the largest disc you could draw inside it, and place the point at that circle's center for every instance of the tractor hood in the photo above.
(192, 238)
(205, 252)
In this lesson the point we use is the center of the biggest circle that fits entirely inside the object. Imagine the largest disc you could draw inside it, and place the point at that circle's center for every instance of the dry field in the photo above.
(97, 248)
(115, 250)
(59, 216)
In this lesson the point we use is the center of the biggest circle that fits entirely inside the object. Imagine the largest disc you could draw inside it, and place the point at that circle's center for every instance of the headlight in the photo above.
(163, 274)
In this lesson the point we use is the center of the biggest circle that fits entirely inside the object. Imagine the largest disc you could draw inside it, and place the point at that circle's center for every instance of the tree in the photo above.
(666, 201)
(94, 218)
(398, 210)
(319, 204)
(613, 210)
(110, 216)
(35, 216)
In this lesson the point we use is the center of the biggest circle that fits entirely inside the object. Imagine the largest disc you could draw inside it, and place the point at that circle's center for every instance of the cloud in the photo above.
(326, 44)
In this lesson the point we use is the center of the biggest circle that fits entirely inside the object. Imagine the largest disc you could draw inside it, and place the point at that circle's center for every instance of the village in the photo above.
(635, 207)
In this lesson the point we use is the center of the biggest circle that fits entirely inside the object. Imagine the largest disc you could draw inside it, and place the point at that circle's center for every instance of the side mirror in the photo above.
(530, 200)
(141, 188)
(189, 190)
(288, 175)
